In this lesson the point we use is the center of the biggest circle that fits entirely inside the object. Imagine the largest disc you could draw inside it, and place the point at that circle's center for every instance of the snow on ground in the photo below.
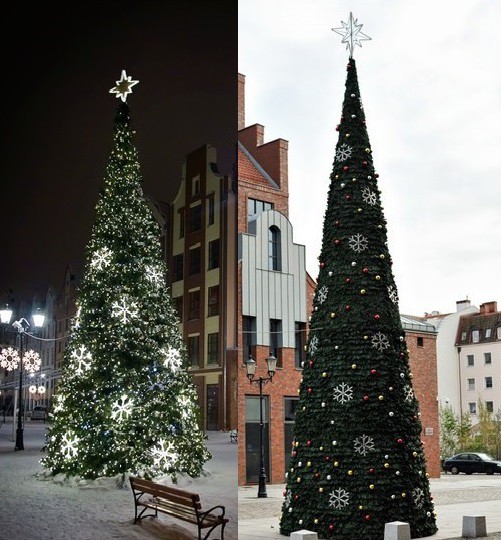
(33, 507)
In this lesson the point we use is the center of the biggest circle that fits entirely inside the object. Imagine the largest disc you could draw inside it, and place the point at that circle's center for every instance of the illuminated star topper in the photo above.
(123, 87)
(351, 33)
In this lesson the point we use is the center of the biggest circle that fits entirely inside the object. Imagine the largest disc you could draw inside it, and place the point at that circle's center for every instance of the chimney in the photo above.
(488, 307)
(241, 101)
(462, 304)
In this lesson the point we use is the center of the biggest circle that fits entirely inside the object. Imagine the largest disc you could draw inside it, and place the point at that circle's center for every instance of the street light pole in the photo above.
(250, 365)
(19, 431)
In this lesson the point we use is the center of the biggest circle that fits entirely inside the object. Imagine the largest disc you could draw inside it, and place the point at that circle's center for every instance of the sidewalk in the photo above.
(454, 496)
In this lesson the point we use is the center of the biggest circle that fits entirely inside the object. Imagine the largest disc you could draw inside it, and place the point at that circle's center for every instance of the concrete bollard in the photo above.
(397, 530)
(474, 527)
(304, 535)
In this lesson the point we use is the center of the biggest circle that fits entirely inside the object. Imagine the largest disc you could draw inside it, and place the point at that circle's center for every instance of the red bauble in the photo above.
(348, 280)
(337, 127)
(376, 175)
(311, 363)
(348, 66)
(364, 163)
(308, 443)
(377, 317)
(371, 470)
(317, 475)
(337, 242)
(366, 398)
(365, 270)
(331, 527)
(296, 497)
(309, 390)
(336, 223)
(294, 453)
(373, 371)
(367, 517)
(322, 265)
(400, 441)
(347, 308)
(346, 168)
(327, 458)
(348, 197)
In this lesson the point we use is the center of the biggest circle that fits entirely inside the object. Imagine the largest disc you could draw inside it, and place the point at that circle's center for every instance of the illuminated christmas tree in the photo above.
(125, 402)
(357, 456)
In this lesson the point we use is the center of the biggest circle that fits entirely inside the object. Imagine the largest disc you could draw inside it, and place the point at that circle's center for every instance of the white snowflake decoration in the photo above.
(173, 359)
(369, 196)
(69, 445)
(31, 361)
(125, 311)
(154, 275)
(392, 293)
(380, 341)
(122, 408)
(59, 403)
(288, 498)
(358, 243)
(184, 405)
(361, 104)
(80, 356)
(418, 497)
(9, 359)
(343, 393)
(343, 152)
(163, 454)
(312, 347)
(339, 498)
(364, 444)
(409, 393)
(101, 258)
(322, 294)
(76, 320)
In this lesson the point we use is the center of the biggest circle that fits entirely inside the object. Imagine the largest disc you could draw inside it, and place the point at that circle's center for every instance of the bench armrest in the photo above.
(207, 512)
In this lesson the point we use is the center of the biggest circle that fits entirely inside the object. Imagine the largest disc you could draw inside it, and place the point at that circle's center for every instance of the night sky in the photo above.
(57, 117)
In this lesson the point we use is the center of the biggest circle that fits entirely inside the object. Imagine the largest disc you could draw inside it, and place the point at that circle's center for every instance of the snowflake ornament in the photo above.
(184, 404)
(125, 311)
(364, 444)
(343, 152)
(288, 498)
(69, 445)
(361, 104)
(80, 356)
(122, 408)
(172, 358)
(418, 497)
(358, 243)
(101, 259)
(409, 393)
(380, 342)
(392, 293)
(58, 403)
(322, 294)
(76, 320)
(163, 454)
(343, 393)
(31, 361)
(369, 196)
(9, 359)
(339, 498)
(313, 345)
(154, 275)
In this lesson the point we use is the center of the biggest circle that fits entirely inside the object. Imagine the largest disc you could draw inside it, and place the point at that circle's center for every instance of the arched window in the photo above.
(274, 255)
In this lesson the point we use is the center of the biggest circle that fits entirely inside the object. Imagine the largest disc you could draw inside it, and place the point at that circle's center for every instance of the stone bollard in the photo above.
(304, 535)
(397, 530)
(474, 527)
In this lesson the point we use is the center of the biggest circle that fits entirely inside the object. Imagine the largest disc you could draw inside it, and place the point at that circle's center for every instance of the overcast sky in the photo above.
(430, 81)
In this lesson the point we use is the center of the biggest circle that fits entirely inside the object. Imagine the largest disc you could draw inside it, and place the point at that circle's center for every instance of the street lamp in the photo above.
(31, 358)
(250, 365)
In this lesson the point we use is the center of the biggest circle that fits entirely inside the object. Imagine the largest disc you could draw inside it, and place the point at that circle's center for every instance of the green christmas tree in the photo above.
(125, 402)
(357, 456)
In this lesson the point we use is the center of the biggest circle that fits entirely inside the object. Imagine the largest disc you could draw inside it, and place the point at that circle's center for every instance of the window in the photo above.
(212, 206)
(213, 301)
(420, 341)
(489, 406)
(178, 263)
(194, 305)
(463, 336)
(472, 407)
(274, 262)
(194, 255)
(196, 218)
(488, 333)
(214, 254)
(488, 382)
(195, 185)
(290, 407)
(213, 348)
(181, 223)
(475, 336)
(255, 207)
(300, 340)
(178, 305)
(249, 336)
(193, 350)
(276, 339)
(487, 358)
(470, 360)
(471, 384)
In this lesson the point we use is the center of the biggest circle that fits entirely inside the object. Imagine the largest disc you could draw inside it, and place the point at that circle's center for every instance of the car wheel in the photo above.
(454, 470)
(489, 470)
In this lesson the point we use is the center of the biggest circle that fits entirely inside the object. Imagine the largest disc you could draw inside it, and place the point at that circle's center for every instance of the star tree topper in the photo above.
(124, 86)
(351, 32)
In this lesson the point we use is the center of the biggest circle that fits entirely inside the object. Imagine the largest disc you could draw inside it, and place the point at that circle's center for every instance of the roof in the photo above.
(416, 325)
(468, 324)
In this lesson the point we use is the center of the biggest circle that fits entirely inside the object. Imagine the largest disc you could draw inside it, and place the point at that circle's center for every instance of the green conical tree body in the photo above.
(125, 402)
(357, 456)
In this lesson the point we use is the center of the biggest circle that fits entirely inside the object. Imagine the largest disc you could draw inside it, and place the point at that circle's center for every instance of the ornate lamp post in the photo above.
(10, 360)
(250, 365)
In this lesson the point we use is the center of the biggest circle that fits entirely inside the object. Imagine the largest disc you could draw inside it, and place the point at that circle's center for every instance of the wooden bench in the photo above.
(177, 503)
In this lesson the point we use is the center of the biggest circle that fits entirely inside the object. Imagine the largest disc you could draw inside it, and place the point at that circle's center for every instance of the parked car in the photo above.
(40, 412)
(472, 462)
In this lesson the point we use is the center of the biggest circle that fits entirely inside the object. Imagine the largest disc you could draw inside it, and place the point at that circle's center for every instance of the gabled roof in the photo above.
(256, 166)
(481, 323)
